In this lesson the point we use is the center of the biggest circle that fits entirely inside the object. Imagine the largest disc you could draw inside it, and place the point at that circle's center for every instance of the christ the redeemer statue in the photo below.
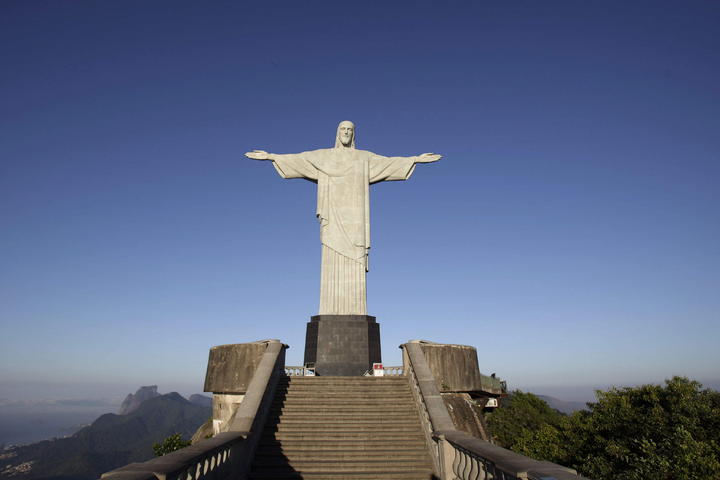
(343, 175)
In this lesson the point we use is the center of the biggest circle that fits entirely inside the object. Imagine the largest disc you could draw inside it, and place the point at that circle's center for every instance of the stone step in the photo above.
(332, 380)
(344, 400)
(371, 383)
(342, 428)
(290, 474)
(351, 381)
(347, 414)
(366, 386)
(343, 395)
(410, 418)
(317, 378)
(312, 408)
(374, 444)
(349, 387)
(351, 429)
(295, 456)
(363, 465)
(360, 403)
(339, 388)
(332, 421)
(338, 436)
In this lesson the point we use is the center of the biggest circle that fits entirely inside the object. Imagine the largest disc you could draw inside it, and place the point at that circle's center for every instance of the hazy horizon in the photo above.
(35, 411)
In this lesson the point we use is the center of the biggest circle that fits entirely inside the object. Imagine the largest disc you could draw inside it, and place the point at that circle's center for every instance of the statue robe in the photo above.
(343, 176)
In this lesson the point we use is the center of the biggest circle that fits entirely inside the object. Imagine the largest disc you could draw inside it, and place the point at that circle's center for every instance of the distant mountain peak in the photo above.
(202, 400)
(564, 406)
(132, 402)
(109, 442)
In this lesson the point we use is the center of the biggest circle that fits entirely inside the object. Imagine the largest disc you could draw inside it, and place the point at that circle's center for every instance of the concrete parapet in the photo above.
(231, 367)
(455, 367)
(230, 373)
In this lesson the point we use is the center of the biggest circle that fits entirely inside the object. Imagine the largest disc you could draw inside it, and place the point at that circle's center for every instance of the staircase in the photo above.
(342, 428)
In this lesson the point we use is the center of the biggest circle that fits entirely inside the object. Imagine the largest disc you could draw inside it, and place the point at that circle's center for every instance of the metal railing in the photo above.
(492, 385)
(295, 371)
(457, 455)
(298, 371)
(227, 455)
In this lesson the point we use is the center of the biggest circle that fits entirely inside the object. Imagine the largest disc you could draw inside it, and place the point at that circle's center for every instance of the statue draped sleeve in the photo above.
(382, 169)
(297, 165)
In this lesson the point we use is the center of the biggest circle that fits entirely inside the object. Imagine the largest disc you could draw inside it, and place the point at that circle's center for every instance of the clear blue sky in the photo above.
(571, 232)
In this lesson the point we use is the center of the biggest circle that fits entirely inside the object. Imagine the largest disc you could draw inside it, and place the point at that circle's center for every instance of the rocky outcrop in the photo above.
(132, 402)
(109, 442)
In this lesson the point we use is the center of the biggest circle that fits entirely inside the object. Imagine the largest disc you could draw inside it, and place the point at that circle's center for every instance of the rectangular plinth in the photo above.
(341, 345)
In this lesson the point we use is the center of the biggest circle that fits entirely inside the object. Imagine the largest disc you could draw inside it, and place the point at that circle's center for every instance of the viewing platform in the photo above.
(272, 425)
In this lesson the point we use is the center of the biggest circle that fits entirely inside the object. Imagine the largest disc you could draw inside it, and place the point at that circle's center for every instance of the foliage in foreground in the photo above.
(665, 432)
(170, 444)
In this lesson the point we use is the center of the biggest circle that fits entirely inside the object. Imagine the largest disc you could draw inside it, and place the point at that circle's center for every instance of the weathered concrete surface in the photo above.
(342, 345)
(455, 367)
(466, 414)
(204, 431)
(224, 406)
(231, 367)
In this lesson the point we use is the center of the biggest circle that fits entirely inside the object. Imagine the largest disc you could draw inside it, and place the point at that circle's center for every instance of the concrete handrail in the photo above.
(228, 454)
(439, 416)
(247, 412)
(457, 455)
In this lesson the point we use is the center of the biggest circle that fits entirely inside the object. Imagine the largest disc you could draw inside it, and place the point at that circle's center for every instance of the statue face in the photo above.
(346, 131)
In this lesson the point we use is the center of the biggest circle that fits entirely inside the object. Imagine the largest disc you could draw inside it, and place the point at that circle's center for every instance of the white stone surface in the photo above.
(344, 175)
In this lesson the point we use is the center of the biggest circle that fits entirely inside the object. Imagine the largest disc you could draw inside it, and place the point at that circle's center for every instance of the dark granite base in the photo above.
(342, 345)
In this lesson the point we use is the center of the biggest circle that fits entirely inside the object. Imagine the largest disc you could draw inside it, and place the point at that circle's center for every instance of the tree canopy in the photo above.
(170, 444)
(665, 432)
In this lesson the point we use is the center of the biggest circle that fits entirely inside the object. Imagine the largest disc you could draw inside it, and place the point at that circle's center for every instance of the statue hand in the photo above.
(258, 155)
(428, 157)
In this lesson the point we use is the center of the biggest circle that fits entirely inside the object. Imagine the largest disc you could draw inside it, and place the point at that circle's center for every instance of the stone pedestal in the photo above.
(342, 345)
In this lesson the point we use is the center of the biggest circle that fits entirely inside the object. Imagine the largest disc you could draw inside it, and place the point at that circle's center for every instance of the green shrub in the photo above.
(170, 444)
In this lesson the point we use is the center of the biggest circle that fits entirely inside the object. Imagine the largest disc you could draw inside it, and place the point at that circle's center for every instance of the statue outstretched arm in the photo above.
(427, 158)
(396, 168)
(258, 155)
(291, 165)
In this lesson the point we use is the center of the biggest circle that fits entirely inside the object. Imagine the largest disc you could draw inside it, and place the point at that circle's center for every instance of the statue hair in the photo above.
(338, 143)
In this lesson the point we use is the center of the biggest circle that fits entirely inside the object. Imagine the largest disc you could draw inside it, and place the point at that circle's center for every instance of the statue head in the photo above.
(345, 136)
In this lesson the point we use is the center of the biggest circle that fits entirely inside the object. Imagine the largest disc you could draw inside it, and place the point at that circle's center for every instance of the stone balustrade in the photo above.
(394, 371)
(227, 455)
(464, 457)
(212, 459)
(457, 455)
